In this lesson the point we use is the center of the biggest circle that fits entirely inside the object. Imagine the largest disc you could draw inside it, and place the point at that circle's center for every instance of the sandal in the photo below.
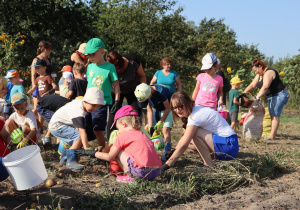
(46, 141)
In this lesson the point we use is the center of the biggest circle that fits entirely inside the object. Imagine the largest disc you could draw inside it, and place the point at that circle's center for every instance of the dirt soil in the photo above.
(282, 192)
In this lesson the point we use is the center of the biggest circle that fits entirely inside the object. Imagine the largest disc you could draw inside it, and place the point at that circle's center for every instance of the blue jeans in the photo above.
(277, 102)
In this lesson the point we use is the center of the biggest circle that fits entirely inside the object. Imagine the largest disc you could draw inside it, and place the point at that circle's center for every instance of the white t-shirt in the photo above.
(210, 120)
(71, 114)
(29, 119)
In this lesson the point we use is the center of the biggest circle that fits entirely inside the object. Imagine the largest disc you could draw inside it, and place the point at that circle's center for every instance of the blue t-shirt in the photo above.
(169, 81)
(161, 95)
(9, 87)
(16, 89)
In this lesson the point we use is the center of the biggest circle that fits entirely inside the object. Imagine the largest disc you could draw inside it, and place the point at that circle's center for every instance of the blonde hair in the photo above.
(131, 120)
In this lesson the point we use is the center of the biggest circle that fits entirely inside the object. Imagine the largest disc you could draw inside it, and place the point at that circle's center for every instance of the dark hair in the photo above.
(164, 61)
(181, 98)
(42, 46)
(115, 58)
(79, 68)
(256, 62)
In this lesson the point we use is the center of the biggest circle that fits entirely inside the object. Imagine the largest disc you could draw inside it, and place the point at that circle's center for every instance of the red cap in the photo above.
(66, 69)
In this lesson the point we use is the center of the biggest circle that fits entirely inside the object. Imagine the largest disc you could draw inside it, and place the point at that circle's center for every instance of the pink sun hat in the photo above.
(124, 111)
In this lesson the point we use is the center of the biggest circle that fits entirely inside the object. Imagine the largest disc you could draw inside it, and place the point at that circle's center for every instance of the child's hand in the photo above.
(16, 135)
(23, 143)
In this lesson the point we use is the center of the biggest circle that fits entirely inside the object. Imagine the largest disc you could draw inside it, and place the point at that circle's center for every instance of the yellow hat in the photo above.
(236, 80)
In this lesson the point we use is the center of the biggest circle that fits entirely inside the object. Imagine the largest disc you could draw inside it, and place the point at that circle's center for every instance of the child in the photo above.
(234, 101)
(79, 84)
(68, 124)
(157, 96)
(208, 84)
(24, 118)
(102, 75)
(44, 82)
(7, 109)
(14, 78)
(63, 89)
(133, 150)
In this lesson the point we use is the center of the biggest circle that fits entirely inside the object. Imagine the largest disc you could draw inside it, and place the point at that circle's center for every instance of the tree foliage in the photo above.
(149, 29)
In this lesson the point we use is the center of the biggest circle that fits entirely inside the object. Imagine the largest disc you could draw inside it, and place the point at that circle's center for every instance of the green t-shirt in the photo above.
(233, 93)
(102, 76)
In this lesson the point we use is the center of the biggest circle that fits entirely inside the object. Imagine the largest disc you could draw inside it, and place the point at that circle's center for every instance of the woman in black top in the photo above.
(131, 74)
(269, 83)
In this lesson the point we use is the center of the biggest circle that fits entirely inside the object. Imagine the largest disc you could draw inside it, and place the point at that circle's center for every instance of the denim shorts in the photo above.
(226, 148)
(277, 102)
(67, 134)
(45, 113)
(142, 173)
(97, 119)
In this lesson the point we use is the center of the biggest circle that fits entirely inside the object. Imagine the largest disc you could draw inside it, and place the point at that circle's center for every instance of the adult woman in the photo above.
(166, 76)
(44, 50)
(269, 83)
(131, 74)
(205, 129)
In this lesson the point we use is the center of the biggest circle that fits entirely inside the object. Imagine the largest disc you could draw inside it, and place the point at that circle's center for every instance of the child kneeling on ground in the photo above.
(68, 125)
(133, 150)
(24, 118)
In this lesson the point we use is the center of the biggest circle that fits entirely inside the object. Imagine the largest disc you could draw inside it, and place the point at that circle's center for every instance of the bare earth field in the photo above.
(265, 175)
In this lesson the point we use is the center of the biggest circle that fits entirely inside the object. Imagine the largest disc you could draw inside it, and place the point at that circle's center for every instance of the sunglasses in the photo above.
(179, 108)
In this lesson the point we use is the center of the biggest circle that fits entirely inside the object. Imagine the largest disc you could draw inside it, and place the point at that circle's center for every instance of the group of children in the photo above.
(70, 116)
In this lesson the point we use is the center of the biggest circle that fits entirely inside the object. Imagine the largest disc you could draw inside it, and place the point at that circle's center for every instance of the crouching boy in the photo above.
(68, 125)
(133, 150)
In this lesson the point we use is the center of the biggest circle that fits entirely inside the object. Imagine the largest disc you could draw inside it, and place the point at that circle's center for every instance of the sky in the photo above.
(272, 24)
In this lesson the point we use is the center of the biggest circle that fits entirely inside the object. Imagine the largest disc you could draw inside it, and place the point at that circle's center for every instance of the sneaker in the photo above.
(46, 141)
(125, 179)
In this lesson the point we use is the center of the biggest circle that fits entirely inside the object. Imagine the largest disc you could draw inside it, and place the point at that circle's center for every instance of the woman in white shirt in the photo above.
(205, 129)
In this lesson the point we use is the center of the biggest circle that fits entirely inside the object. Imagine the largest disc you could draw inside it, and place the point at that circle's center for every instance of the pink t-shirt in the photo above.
(207, 94)
(139, 148)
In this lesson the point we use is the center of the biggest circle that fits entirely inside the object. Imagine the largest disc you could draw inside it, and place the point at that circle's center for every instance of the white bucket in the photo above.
(26, 167)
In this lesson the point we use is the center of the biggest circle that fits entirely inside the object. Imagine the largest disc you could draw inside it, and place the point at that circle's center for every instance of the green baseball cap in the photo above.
(18, 98)
(93, 45)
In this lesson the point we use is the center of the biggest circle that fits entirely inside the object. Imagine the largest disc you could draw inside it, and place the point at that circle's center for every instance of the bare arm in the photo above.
(33, 72)
(117, 90)
(84, 138)
(69, 94)
(150, 115)
(182, 144)
(220, 93)
(178, 83)
(252, 85)
(140, 72)
(32, 89)
(236, 101)
(196, 90)
(153, 81)
(108, 156)
(54, 86)
(167, 110)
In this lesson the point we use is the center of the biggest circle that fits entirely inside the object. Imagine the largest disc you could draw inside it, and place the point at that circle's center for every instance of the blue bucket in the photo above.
(3, 171)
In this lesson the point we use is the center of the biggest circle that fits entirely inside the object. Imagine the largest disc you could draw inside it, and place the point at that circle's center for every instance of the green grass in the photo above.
(287, 119)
